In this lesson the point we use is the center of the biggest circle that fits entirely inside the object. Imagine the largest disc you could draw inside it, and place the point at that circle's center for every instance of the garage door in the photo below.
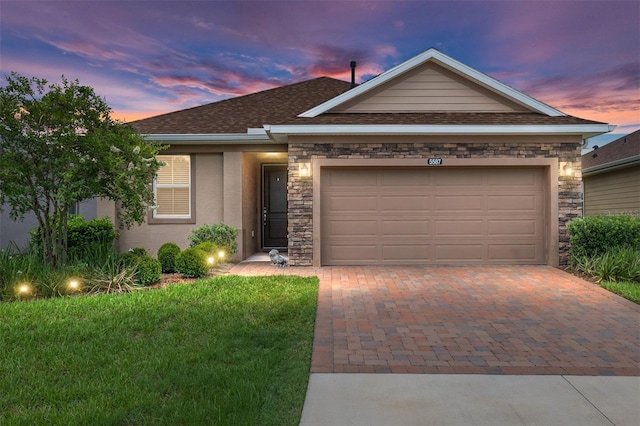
(432, 216)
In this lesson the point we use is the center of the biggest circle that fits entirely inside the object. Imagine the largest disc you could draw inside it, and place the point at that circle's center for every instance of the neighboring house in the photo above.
(611, 177)
(431, 162)
(15, 233)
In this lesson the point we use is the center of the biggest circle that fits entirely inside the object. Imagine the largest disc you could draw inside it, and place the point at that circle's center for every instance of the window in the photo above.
(74, 209)
(172, 188)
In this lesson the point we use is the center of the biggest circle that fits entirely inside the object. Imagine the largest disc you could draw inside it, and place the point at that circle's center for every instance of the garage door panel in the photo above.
(513, 178)
(462, 252)
(405, 253)
(352, 254)
(459, 228)
(405, 203)
(514, 252)
(514, 227)
(510, 202)
(453, 178)
(365, 228)
(401, 178)
(353, 204)
(350, 178)
(393, 227)
(454, 216)
(459, 203)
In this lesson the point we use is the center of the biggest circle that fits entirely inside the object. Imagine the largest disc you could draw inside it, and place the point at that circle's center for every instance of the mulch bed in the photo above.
(176, 278)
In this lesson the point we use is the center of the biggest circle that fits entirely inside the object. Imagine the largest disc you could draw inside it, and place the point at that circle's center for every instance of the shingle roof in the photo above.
(236, 115)
(282, 105)
(446, 118)
(625, 147)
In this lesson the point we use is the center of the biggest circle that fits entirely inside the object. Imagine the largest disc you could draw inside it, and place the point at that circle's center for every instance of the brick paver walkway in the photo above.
(485, 320)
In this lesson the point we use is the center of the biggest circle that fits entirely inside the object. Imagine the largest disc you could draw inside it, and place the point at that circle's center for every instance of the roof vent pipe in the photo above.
(353, 74)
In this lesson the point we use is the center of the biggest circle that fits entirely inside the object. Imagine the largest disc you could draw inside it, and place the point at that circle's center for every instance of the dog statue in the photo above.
(277, 259)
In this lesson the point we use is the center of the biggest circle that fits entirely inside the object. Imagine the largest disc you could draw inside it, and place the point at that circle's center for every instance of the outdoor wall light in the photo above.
(567, 170)
(211, 260)
(221, 254)
(305, 170)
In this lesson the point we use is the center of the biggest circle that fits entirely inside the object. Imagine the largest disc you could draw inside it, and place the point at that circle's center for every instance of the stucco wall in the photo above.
(250, 199)
(209, 209)
(308, 148)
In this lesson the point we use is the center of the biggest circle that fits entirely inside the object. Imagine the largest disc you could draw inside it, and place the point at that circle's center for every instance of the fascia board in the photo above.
(449, 63)
(209, 138)
(439, 129)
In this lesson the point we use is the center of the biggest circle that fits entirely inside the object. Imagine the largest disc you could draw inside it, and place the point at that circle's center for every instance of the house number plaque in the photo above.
(434, 161)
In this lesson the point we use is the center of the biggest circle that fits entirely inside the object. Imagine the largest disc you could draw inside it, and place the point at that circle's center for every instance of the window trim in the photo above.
(152, 220)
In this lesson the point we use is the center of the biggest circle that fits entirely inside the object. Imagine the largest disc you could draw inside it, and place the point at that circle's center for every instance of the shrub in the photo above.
(619, 264)
(211, 250)
(82, 235)
(26, 269)
(594, 235)
(138, 251)
(113, 276)
(149, 270)
(192, 263)
(131, 257)
(224, 236)
(167, 254)
(105, 272)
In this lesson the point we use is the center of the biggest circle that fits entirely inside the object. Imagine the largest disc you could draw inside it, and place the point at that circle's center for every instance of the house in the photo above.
(611, 177)
(431, 162)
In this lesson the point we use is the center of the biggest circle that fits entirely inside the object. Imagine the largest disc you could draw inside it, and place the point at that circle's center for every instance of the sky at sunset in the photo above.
(151, 57)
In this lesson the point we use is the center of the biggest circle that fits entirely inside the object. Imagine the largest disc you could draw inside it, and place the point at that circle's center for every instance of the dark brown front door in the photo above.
(274, 206)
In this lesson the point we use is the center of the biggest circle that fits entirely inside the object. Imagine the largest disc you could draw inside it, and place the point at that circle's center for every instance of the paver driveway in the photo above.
(486, 320)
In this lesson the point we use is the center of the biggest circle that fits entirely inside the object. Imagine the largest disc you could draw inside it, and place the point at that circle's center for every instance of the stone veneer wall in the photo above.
(300, 197)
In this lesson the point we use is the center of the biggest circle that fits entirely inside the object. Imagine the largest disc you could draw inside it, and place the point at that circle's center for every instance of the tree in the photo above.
(59, 146)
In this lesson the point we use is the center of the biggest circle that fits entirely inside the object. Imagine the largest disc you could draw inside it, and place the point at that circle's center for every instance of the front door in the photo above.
(274, 206)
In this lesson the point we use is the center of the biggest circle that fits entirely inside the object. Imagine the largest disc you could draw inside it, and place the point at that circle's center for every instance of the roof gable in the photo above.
(432, 71)
(429, 88)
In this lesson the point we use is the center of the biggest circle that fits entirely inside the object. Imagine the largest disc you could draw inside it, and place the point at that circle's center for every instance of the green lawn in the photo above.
(628, 290)
(228, 350)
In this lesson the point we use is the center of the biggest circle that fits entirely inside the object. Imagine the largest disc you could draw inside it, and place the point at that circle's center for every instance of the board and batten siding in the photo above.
(431, 89)
(613, 192)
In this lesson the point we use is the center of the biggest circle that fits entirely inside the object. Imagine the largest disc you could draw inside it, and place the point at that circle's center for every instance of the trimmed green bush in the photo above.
(149, 270)
(131, 257)
(167, 254)
(594, 235)
(139, 251)
(82, 235)
(192, 263)
(224, 236)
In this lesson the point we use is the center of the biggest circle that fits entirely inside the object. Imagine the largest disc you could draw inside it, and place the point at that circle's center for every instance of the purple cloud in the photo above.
(156, 56)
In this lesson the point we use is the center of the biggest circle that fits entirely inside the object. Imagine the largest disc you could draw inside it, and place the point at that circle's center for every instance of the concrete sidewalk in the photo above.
(462, 399)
